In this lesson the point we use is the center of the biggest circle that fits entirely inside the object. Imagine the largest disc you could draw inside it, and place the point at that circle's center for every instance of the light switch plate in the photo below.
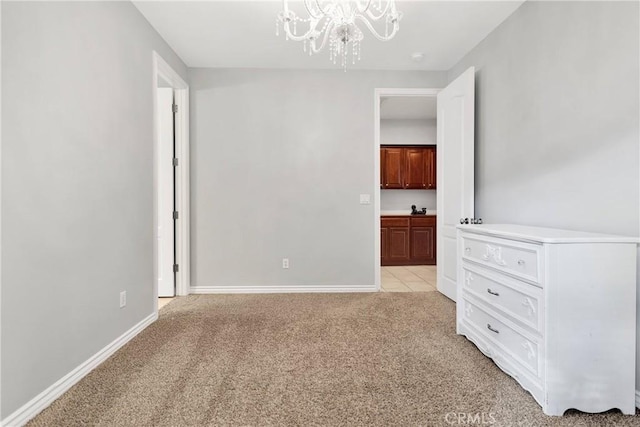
(365, 199)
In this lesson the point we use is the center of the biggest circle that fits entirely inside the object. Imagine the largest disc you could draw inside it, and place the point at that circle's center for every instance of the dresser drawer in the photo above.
(518, 300)
(516, 258)
(518, 347)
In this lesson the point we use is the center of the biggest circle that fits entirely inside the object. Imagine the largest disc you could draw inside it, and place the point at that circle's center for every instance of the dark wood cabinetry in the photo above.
(393, 168)
(395, 242)
(407, 240)
(430, 168)
(408, 167)
(415, 168)
(423, 239)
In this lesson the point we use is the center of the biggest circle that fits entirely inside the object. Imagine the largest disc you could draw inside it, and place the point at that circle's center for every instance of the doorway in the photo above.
(405, 144)
(171, 182)
(455, 174)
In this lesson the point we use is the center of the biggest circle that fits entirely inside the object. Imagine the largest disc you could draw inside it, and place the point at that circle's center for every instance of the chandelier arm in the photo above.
(363, 9)
(294, 37)
(310, 11)
(315, 49)
(375, 32)
(321, 9)
(375, 17)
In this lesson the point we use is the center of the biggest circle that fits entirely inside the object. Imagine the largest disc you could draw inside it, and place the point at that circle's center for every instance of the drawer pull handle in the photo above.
(520, 262)
(467, 250)
(491, 329)
(492, 292)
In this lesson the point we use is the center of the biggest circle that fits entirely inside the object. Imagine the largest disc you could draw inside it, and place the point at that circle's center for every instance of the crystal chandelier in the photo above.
(335, 22)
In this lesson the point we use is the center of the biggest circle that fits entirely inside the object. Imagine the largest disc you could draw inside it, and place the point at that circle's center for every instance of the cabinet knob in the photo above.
(520, 262)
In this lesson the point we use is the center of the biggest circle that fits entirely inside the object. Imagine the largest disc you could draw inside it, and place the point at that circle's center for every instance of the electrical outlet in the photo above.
(123, 299)
(285, 262)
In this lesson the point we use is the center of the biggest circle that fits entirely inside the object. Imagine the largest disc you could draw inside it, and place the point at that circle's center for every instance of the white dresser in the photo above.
(555, 309)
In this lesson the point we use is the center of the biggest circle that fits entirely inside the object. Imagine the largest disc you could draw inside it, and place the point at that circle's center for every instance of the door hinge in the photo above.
(175, 214)
(176, 268)
(174, 107)
(175, 162)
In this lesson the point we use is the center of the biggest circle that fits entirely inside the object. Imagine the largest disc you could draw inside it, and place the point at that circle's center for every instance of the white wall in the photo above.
(394, 200)
(557, 126)
(77, 185)
(410, 132)
(279, 159)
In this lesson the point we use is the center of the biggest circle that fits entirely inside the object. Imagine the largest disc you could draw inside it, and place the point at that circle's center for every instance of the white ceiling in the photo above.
(408, 108)
(236, 33)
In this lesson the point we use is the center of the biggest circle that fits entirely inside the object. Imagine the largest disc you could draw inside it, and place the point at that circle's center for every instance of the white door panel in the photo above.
(455, 168)
(166, 286)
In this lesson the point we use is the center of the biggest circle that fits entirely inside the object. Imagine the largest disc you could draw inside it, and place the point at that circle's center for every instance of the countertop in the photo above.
(407, 212)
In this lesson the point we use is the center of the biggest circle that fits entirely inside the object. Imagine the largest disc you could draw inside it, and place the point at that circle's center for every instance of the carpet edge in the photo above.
(280, 289)
(36, 405)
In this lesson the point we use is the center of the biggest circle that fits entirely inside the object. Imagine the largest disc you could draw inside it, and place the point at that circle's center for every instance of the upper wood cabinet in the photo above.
(393, 169)
(408, 167)
(430, 167)
(415, 168)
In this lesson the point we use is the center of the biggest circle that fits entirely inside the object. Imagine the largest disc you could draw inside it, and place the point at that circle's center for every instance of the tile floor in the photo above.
(164, 301)
(409, 278)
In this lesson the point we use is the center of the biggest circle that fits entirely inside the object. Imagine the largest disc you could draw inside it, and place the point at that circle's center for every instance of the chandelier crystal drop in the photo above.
(334, 23)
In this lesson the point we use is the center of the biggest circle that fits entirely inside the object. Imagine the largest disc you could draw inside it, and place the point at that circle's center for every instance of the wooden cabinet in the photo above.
(415, 168)
(423, 239)
(408, 167)
(430, 168)
(393, 168)
(408, 240)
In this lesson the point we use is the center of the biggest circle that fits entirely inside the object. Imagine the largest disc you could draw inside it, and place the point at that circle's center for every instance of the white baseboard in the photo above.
(637, 398)
(281, 289)
(44, 399)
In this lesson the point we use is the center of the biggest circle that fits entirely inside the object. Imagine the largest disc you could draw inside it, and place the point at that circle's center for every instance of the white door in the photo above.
(455, 172)
(166, 279)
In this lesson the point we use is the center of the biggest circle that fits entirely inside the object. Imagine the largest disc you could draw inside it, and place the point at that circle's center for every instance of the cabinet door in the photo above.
(393, 167)
(430, 168)
(383, 158)
(414, 172)
(423, 244)
(384, 247)
(398, 244)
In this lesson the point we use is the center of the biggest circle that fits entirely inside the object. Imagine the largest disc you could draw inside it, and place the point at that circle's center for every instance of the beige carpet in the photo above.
(306, 359)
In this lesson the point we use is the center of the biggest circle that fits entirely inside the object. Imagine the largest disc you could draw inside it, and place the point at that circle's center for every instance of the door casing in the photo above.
(162, 70)
(379, 93)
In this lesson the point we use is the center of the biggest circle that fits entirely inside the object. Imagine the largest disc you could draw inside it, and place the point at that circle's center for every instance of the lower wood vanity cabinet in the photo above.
(408, 240)
(554, 309)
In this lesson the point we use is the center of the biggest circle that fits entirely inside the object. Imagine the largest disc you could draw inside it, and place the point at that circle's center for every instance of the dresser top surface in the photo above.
(544, 235)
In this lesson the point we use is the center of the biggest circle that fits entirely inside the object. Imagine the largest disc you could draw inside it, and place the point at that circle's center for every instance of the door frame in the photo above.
(379, 93)
(161, 69)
